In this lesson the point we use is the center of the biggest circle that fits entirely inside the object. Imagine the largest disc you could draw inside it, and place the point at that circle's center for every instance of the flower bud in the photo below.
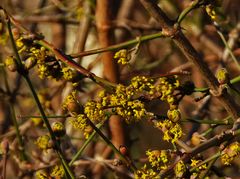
(123, 150)
(30, 62)
(43, 142)
(58, 129)
(11, 63)
(174, 115)
(223, 76)
(4, 146)
(74, 107)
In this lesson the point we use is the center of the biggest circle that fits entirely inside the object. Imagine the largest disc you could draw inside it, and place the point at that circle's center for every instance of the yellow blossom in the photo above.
(158, 158)
(80, 122)
(57, 172)
(43, 142)
(145, 173)
(122, 56)
(230, 153)
(42, 174)
(180, 169)
(171, 131)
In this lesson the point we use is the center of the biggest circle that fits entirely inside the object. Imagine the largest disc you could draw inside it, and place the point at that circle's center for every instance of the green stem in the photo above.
(2, 65)
(48, 126)
(13, 114)
(119, 46)
(205, 172)
(19, 137)
(49, 116)
(206, 161)
(184, 13)
(222, 122)
(79, 153)
(110, 144)
(228, 48)
(24, 73)
(232, 81)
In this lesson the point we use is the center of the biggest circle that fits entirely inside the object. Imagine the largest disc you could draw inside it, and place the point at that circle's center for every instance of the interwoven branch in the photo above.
(191, 54)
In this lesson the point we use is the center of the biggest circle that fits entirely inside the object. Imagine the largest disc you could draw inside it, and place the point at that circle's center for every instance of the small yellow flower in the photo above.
(43, 142)
(80, 122)
(37, 121)
(68, 73)
(223, 76)
(145, 173)
(195, 162)
(174, 115)
(11, 63)
(122, 56)
(180, 169)
(57, 172)
(230, 153)
(158, 158)
(211, 11)
(171, 131)
(42, 174)
(58, 129)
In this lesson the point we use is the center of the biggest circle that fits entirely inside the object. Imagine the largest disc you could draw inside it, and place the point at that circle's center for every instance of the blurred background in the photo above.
(81, 25)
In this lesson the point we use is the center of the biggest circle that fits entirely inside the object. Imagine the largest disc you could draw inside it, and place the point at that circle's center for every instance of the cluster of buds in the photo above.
(158, 159)
(126, 101)
(33, 54)
(56, 171)
(230, 153)
(122, 56)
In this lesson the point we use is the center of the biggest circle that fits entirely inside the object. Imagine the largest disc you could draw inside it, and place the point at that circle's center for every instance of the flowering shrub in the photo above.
(143, 117)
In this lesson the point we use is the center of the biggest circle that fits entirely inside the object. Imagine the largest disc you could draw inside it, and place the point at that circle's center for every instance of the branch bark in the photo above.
(192, 55)
(110, 68)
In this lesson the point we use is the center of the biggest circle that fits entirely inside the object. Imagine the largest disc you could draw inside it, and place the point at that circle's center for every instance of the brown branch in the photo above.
(215, 141)
(110, 68)
(192, 55)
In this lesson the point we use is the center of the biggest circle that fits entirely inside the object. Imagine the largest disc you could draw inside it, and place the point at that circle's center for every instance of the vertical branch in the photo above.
(110, 68)
(83, 29)
(59, 34)
(110, 71)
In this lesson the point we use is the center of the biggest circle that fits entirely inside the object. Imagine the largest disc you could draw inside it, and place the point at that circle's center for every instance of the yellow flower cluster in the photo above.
(223, 76)
(11, 63)
(57, 172)
(211, 11)
(197, 171)
(166, 87)
(230, 153)
(125, 101)
(43, 142)
(180, 169)
(142, 83)
(80, 122)
(146, 173)
(68, 73)
(123, 104)
(122, 56)
(94, 111)
(42, 174)
(171, 131)
(174, 115)
(158, 158)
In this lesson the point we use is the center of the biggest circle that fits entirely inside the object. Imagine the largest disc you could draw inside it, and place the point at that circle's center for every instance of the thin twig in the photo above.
(22, 71)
